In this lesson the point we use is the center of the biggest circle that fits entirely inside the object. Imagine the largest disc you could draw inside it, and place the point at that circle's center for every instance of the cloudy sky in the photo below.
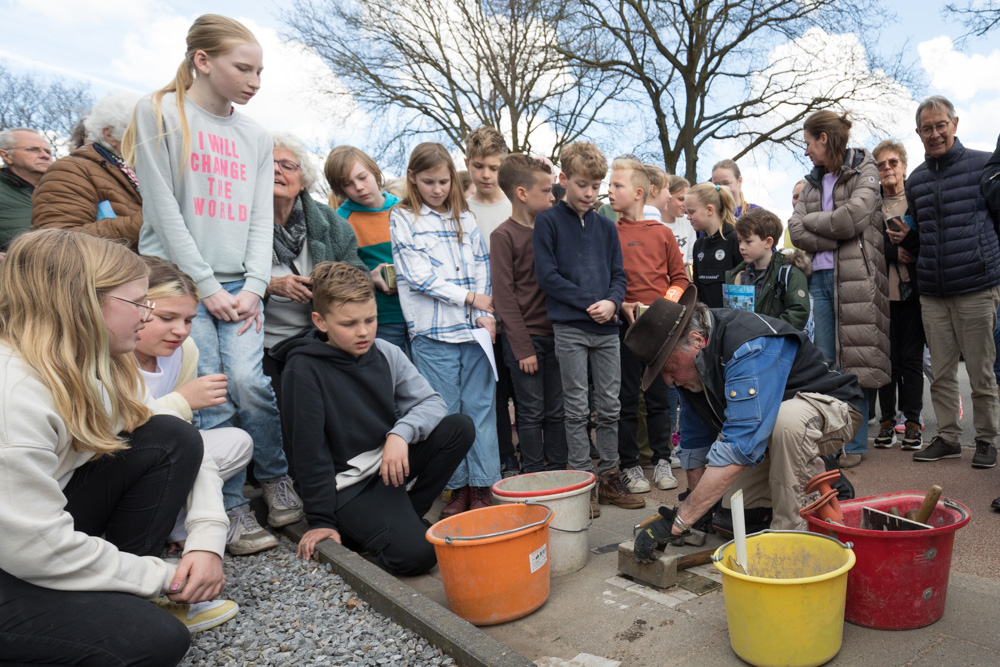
(137, 45)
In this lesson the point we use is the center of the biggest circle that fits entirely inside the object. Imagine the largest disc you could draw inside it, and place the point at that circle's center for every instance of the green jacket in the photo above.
(330, 238)
(786, 299)
(15, 206)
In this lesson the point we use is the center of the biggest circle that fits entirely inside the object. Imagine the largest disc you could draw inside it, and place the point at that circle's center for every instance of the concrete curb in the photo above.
(467, 645)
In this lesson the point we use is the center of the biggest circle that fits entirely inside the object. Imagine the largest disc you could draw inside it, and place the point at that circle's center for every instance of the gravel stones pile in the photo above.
(294, 612)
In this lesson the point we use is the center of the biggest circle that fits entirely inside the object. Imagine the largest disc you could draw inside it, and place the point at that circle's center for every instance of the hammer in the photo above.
(930, 502)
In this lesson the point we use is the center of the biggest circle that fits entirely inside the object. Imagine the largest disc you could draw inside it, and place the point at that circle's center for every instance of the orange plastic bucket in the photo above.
(494, 561)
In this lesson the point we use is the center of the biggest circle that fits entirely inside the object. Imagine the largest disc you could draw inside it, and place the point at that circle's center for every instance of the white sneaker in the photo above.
(201, 615)
(246, 535)
(635, 480)
(663, 476)
(674, 461)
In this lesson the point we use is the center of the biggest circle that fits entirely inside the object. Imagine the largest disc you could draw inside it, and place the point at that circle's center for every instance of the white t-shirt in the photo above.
(163, 380)
(685, 235)
(489, 216)
(284, 317)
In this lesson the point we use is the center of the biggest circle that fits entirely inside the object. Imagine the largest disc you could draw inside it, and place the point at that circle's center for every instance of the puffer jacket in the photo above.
(853, 231)
(959, 252)
(68, 194)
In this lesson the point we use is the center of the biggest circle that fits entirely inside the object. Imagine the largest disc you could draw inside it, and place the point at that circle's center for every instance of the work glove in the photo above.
(654, 533)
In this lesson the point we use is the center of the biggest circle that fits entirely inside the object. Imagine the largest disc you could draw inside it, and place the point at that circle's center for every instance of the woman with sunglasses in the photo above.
(306, 232)
(93, 477)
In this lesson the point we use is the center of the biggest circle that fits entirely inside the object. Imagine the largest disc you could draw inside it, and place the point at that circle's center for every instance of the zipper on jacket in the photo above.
(864, 256)
(940, 224)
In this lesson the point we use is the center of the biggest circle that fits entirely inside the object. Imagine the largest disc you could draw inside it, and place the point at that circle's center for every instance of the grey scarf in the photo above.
(288, 238)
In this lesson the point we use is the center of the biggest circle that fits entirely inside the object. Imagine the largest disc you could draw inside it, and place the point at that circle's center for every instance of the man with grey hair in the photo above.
(760, 406)
(26, 155)
(93, 190)
(958, 273)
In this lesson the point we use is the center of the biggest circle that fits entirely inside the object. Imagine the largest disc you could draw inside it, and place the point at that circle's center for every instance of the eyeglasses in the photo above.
(288, 166)
(891, 162)
(37, 150)
(146, 307)
(929, 130)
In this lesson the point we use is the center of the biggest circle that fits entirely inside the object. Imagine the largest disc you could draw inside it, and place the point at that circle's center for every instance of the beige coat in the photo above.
(853, 231)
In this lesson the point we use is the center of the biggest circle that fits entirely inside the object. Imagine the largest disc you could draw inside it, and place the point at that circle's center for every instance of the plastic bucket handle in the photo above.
(461, 538)
(561, 530)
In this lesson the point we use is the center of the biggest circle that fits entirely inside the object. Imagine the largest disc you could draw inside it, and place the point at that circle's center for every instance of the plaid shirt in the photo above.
(435, 273)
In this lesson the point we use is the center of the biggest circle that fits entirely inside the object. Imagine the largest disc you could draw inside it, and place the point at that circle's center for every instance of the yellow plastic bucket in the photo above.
(789, 609)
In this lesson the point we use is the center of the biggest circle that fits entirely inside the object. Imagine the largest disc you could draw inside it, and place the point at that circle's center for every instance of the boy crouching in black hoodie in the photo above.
(342, 390)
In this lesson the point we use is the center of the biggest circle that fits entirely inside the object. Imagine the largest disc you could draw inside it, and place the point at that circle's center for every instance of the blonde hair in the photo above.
(213, 34)
(425, 157)
(638, 177)
(721, 199)
(167, 281)
(485, 142)
(339, 164)
(584, 159)
(733, 167)
(337, 283)
(658, 179)
(54, 283)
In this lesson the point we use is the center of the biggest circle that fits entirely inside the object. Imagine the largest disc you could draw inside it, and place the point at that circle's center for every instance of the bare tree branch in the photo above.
(979, 17)
(51, 106)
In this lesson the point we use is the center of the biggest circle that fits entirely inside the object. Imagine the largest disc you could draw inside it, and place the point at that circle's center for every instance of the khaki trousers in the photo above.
(964, 325)
(808, 425)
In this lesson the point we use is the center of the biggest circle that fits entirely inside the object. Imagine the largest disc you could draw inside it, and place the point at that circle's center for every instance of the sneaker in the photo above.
(663, 477)
(246, 536)
(886, 437)
(939, 449)
(595, 507)
(612, 491)
(635, 480)
(509, 469)
(459, 502)
(911, 436)
(201, 615)
(480, 498)
(283, 505)
(675, 462)
(995, 505)
(985, 456)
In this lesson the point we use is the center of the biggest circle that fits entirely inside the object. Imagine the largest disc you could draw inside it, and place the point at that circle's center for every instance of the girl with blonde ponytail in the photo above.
(207, 178)
(712, 212)
(92, 477)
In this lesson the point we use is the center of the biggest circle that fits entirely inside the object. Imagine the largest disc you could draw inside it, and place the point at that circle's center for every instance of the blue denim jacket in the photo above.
(755, 383)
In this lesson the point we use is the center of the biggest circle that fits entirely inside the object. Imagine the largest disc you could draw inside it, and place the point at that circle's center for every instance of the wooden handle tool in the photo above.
(930, 502)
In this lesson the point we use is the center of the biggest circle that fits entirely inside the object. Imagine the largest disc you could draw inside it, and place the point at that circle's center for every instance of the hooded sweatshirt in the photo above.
(338, 410)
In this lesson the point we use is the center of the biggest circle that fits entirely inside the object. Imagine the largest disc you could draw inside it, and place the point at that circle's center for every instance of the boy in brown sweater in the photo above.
(528, 342)
(654, 267)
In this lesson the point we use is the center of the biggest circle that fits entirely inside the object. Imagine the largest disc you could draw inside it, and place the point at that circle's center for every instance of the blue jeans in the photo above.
(821, 289)
(396, 334)
(250, 403)
(574, 349)
(539, 407)
(461, 373)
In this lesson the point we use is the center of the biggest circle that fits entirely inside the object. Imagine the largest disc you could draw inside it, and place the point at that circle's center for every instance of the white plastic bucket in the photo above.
(567, 493)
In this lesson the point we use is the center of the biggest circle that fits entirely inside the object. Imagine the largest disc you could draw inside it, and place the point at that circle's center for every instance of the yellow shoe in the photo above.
(201, 615)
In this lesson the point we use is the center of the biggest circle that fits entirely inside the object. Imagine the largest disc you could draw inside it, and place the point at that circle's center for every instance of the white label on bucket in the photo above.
(538, 558)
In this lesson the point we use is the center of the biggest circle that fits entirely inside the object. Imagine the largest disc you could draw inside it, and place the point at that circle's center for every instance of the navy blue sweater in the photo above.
(578, 262)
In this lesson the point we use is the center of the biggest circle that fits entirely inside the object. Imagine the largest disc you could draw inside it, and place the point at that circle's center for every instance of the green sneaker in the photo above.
(201, 615)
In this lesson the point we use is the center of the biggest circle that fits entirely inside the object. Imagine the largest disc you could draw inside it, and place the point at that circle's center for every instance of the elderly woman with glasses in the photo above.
(306, 232)
(906, 329)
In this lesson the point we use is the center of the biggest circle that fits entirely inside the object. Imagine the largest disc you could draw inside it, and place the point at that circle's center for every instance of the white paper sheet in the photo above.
(483, 338)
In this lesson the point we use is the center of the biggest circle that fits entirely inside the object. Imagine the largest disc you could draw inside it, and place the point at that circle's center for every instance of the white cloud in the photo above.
(956, 75)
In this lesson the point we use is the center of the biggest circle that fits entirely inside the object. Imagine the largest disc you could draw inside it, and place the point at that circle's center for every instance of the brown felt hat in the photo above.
(655, 333)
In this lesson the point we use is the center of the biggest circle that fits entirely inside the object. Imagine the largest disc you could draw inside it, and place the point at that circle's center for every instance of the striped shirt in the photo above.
(435, 273)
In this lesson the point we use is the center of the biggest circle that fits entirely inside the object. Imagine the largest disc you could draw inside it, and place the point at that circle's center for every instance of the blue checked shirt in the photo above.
(435, 274)
(761, 364)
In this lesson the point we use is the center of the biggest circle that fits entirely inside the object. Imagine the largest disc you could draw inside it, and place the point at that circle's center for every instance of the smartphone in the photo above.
(896, 222)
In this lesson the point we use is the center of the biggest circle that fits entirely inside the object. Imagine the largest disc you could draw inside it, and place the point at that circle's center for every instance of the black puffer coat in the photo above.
(959, 251)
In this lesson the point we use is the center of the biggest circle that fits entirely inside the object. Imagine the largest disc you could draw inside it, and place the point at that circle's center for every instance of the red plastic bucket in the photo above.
(900, 581)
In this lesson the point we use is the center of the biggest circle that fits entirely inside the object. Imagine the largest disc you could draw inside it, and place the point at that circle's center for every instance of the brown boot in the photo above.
(460, 499)
(595, 508)
(612, 491)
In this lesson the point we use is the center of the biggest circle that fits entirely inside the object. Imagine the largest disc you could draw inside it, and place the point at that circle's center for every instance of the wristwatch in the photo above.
(679, 523)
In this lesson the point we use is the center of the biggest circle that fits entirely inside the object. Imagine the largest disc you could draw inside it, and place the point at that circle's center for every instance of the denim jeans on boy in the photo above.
(250, 402)
(540, 426)
(395, 333)
(574, 348)
(461, 373)
(821, 289)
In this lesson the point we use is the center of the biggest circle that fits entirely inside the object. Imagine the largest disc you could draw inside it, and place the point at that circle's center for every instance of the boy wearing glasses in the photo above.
(26, 155)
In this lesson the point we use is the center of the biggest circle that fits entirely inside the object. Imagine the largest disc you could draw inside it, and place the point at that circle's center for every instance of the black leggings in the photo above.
(131, 499)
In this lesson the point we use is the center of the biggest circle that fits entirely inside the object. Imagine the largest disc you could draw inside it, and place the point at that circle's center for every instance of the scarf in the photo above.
(288, 238)
(119, 162)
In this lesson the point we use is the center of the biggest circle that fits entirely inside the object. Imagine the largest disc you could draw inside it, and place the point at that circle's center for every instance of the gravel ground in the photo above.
(294, 612)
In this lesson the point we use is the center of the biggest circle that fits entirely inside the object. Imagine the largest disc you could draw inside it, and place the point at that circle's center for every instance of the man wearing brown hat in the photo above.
(760, 404)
